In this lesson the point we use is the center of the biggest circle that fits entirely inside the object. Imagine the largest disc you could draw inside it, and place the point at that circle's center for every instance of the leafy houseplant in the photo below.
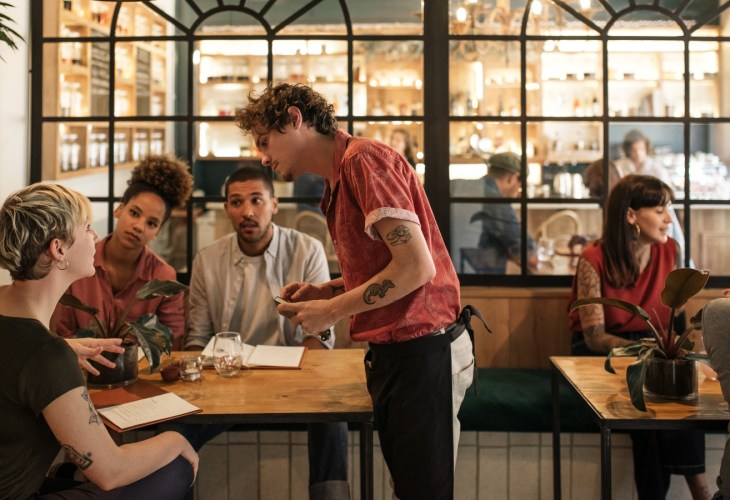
(7, 34)
(152, 336)
(665, 346)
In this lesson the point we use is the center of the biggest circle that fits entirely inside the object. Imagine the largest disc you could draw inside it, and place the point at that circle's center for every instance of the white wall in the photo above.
(15, 108)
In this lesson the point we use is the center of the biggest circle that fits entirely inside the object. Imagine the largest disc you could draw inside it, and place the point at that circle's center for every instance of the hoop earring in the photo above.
(62, 268)
(637, 232)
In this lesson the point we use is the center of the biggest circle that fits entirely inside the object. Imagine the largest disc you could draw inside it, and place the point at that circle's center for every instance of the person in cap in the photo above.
(501, 229)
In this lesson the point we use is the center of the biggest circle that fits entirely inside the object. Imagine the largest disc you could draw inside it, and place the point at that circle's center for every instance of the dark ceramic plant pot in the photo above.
(671, 378)
(123, 373)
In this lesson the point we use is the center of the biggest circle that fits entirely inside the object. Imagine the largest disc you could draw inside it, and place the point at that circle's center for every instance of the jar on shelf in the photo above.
(156, 105)
(93, 151)
(65, 153)
(77, 98)
(65, 99)
(140, 146)
(103, 149)
(75, 152)
(120, 147)
(156, 142)
(78, 53)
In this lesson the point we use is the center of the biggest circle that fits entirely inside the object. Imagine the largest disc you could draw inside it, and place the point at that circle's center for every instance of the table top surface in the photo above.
(608, 395)
(330, 383)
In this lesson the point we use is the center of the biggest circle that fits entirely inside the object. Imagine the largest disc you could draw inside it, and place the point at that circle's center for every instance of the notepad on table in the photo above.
(263, 356)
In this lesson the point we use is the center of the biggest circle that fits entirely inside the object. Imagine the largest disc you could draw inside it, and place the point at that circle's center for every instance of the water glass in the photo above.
(545, 249)
(191, 368)
(227, 353)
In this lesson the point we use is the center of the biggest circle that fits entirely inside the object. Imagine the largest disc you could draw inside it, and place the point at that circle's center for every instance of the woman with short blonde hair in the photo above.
(47, 243)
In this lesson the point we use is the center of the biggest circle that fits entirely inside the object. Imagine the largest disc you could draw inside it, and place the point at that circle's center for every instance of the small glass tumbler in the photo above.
(191, 368)
(227, 353)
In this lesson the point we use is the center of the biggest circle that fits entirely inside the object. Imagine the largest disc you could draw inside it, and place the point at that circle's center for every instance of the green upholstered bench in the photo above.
(520, 400)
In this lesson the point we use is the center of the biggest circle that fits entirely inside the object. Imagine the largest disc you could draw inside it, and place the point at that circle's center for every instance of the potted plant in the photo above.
(7, 34)
(665, 363)
(147, 332)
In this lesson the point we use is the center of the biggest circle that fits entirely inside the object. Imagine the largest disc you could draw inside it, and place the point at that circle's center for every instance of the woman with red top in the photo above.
(123, 262)
(630, 262)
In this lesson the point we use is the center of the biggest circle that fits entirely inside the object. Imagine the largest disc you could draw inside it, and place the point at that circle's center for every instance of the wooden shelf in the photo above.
(84, 89)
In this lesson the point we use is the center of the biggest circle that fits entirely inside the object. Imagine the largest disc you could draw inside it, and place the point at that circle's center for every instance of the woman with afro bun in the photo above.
(123, 261)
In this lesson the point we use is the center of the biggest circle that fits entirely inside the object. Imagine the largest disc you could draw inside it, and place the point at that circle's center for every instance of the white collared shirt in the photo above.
(217, 282)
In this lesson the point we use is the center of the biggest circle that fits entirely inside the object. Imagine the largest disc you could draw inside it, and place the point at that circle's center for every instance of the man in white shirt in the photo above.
(232, 288)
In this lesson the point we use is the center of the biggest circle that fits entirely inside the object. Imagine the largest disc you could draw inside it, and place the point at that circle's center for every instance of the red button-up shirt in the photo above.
(371, 181)
(97, 291)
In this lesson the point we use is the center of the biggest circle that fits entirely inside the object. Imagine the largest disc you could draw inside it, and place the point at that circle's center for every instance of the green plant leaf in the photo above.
(70, 300)
(159, 288)
(622, 352)
(621, 304)
(635, 376)
(681, 285)
(698, 356)
(154, 338)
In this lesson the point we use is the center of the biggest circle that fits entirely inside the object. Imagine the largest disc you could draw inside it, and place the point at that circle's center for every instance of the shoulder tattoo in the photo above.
(376, 290)
(82, 461)
(399, 236)
(93, 416)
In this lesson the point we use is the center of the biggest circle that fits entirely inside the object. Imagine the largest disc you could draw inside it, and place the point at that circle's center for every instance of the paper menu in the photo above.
(147, 411)
(263, 356)
(140, 391)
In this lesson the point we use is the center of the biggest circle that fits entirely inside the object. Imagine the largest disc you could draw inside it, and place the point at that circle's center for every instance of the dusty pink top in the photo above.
(97, 291)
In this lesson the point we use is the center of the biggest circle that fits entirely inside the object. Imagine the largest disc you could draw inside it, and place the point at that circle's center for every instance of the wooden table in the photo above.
(607, 396)
(330, 387)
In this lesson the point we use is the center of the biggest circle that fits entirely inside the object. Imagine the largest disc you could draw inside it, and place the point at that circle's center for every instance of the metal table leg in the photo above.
(555, 384)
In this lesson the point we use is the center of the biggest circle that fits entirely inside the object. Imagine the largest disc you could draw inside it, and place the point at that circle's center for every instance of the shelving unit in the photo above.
(227, 71)
(77, 85)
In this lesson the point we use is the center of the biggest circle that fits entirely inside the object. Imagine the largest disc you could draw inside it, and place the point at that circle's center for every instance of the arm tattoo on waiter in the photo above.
(399, 236)
(376, 290)
(93, 416)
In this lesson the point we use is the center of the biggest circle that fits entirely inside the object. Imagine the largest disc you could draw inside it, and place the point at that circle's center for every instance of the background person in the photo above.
(232, 288)
(401, 141)
(638, 158)
(631, 262)
(124, 263)
(398, 283)
(501, 228)
(47, 243)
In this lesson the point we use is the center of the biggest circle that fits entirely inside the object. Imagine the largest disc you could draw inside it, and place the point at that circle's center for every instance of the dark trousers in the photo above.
(410, 385)
(171, 482)
(659, 454)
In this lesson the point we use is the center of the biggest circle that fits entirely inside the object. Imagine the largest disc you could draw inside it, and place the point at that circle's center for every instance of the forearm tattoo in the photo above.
(399, 236)
(592, 317)
(337, 290)
(93, 416)
(82, 461)
(376, 290)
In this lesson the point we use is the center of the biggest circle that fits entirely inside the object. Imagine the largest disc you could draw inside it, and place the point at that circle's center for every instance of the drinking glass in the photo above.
(545, 249)
(191, 368)
(227, 353)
